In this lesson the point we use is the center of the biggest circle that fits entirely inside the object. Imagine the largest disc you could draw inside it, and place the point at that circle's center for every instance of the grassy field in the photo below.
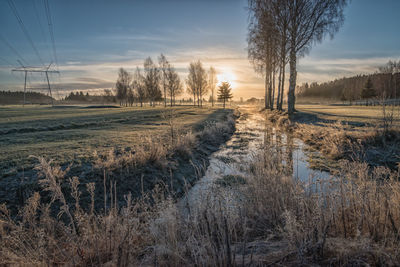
(352, 114)
(72, 134)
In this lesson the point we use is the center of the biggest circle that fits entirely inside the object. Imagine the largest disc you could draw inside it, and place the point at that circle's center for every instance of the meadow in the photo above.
(353, 115)
(71, 134)
(138, 147)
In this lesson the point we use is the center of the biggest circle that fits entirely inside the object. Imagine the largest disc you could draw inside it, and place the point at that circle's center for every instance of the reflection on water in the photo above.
(252, 135)
(292, 153)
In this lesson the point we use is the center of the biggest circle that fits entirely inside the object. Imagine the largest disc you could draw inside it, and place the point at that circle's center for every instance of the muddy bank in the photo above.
(119, 172)
(337, 140)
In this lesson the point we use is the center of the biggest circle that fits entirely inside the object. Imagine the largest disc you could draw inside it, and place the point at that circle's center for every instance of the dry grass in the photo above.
(378, 145)
(322, 220)
(350, 219)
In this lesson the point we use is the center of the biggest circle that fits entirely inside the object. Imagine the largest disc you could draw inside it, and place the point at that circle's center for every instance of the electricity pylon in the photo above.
(40, 70)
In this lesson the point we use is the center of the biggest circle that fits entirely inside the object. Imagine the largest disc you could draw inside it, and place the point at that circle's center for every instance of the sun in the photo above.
(227, 76)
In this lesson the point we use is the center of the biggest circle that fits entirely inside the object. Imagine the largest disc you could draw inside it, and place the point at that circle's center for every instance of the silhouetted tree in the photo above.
(173, 82)
(139, 86)
(122, 85)
(197, 82)
(224, 92)
(163, 63)
(130, 96)
(152, 81)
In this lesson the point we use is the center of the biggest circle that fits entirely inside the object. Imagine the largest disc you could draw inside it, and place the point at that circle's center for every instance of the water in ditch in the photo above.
(234, 159)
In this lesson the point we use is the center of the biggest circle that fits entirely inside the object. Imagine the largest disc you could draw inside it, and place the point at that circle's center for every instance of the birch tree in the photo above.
(281, 31)
(122, 86)
(139, 87)
(212, 81)
(197, 82)
(174, 85)
(309, 22)
(152, 81)
(163, 63)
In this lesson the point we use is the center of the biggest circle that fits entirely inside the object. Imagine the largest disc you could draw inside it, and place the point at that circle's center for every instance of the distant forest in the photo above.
(10, 98)
(385, 83)
(108, 97)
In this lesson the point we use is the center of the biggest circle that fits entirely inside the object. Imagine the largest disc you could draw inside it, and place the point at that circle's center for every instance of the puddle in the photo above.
(235, 157)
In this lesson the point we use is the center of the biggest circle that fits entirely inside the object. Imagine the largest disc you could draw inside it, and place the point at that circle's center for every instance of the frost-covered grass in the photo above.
(71, 134)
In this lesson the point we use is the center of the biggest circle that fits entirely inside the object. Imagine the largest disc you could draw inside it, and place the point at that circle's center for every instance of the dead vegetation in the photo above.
(350, 219)
(378, 145)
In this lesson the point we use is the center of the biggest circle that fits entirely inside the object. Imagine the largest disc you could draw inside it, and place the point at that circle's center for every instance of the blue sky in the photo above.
(94, 38)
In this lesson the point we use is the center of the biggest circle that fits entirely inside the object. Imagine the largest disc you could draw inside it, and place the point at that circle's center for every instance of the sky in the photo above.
(94, 38)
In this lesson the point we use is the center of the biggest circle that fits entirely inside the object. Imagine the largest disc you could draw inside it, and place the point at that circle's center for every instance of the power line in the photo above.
(50, 23)
(41, 28)
(25, 31)
(13, 50)
(6, 61)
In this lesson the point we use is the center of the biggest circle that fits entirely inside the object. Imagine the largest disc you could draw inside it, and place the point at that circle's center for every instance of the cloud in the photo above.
(95, 76)
(314, 69)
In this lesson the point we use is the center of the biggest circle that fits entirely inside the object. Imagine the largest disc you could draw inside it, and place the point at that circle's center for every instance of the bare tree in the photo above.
(139, 87)
(282, 22)
(281, 27)
(191, 82)
(197, 82)
(122, 85)
(263, 44)
(130, 96)
(309, 22)
(212, 82)
(163, 63)
(152, 81)
(174, 84)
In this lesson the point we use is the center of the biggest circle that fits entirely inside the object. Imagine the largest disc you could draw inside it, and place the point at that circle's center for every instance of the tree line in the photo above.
(161, 82)
(282, 31)
(383, 83)
(17, 97)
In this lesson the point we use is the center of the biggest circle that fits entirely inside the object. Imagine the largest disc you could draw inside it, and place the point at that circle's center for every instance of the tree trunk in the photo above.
(282, 85)
(273, 90)
(165, 90)
(212, 95)
(279, 88)
(292, 82)
(266, 88)
(270, 90)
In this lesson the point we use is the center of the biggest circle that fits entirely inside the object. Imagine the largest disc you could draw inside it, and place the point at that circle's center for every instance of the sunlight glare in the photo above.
(226, 76)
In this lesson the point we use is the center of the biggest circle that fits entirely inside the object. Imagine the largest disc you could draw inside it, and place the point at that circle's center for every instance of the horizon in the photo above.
(90, 50)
